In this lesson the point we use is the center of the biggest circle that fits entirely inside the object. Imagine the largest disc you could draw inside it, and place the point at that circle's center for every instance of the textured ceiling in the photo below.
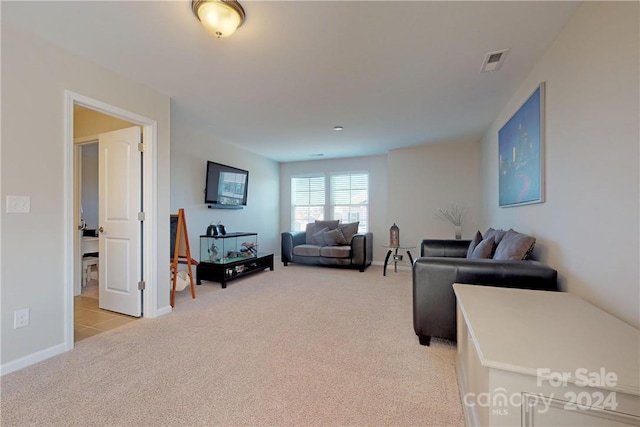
(393, 73)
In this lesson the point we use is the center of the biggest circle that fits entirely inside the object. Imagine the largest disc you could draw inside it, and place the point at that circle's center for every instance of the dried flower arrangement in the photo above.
(454, 214)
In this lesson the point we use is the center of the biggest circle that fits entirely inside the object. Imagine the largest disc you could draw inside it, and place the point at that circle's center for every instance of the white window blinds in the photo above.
(307, 200)
(349, 194)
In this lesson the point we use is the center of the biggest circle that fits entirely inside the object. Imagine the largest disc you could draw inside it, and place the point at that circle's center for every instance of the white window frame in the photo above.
(364, 222)
(328, 206)
(295, 224)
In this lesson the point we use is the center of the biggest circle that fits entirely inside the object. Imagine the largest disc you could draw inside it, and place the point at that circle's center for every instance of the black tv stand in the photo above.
(224, 258)
(224, 273)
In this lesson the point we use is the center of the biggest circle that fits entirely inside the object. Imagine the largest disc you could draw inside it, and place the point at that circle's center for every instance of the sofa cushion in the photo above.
(484, 249)
(306, 250)
(349, 230)
(331, 224)
(317, 238)
(334, 238)
(314, 227)
(496, 234)
(336, 251)
(476, 239)
(514, 245)
(311, 229)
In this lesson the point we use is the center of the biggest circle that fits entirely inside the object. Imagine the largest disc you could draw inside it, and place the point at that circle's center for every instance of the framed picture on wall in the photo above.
(521, 154)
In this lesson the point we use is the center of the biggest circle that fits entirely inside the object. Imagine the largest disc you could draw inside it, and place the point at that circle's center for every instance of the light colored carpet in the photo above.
(296, 346)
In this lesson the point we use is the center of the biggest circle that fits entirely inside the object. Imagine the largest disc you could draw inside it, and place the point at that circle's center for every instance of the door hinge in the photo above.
(141, 147)
(141, 285)
(141, 216)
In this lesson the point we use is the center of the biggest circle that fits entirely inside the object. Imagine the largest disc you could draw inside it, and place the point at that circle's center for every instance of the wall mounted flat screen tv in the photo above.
(226, 186)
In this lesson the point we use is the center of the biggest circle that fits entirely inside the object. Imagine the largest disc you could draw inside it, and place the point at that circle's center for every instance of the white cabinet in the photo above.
(89, 245)
(537, 358)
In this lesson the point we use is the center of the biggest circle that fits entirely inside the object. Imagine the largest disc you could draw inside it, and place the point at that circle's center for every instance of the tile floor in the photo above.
(89, 320)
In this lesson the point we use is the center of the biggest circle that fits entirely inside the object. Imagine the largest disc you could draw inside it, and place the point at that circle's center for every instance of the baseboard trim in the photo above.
(164, 310)
(32, 359)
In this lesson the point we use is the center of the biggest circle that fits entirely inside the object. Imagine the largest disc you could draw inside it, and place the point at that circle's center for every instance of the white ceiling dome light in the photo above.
(220, 17)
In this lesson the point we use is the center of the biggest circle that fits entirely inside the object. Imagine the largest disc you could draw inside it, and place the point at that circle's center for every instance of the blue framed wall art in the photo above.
(521, 154)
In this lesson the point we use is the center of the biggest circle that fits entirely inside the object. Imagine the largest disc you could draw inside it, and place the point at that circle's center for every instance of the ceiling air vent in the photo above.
(493, 60)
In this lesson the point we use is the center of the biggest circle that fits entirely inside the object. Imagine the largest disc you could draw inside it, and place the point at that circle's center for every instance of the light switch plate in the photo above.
(18, 204)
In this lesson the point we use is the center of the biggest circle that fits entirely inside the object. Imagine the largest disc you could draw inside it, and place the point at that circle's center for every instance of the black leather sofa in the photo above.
(443, 263)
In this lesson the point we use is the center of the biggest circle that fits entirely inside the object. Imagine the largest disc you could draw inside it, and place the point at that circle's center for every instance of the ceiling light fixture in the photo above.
(219, 17)
(338, 128)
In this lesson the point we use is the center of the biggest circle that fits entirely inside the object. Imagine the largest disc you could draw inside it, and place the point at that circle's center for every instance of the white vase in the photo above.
(458, 231)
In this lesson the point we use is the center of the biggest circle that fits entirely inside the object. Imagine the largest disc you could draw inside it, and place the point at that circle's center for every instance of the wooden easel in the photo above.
(181, 252)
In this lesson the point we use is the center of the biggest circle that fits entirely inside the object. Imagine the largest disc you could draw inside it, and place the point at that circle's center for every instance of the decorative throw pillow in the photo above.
(514, 245)
(476, 239)
(349, 230)
(331, 224)
(314, 227)
(485, 249)
(496, 234)
(317, 238)
(311, 229)
(334, 238)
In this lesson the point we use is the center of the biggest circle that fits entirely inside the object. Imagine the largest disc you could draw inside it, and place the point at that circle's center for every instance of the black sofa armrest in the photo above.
(290, 239)
(362, 249)
(444, 248)
(434, 302)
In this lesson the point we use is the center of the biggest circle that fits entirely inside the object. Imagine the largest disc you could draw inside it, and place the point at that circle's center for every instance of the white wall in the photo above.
(377, 168)
(406, 187)
(431, 177)
(191, 147)
(588, 227)
(35, 75)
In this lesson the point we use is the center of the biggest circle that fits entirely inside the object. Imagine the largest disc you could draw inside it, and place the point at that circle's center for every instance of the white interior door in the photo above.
(120, 232)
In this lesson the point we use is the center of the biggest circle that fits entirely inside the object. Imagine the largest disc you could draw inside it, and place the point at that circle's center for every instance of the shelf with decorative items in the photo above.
(228, 248)
(230, 256)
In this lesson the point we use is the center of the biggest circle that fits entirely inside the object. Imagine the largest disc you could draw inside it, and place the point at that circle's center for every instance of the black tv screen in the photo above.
(226, 185)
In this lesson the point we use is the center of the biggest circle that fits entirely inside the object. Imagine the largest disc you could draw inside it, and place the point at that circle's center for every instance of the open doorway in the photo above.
(86, 178)
(88, 121)
(89, 318)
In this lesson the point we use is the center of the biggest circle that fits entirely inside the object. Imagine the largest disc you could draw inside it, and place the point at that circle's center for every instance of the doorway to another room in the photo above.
(127, 257)
(89, 318)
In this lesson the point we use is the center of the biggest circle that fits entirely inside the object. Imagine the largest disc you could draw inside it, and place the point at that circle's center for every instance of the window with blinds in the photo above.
(349, 195)
(307, 200)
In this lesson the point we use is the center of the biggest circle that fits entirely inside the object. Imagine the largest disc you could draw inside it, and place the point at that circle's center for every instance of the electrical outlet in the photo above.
(20, 318)
(18, 204)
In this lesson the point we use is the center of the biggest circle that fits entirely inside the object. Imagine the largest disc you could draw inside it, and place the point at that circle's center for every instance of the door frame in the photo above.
(149, 202)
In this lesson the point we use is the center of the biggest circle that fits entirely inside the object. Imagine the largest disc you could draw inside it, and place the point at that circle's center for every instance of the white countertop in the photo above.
(522, 330)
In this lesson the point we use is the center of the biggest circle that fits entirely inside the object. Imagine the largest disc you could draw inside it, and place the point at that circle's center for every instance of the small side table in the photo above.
(396, 257)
